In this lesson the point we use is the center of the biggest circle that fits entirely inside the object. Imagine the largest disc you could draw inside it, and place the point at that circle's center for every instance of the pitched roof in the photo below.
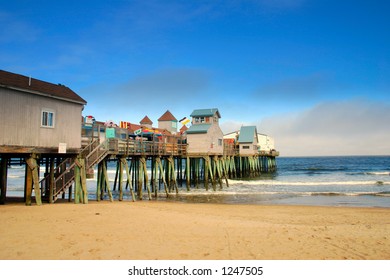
(205, 113)
(35, 86)
(146, 120)
(167, 116)
(198, 128)
(247, 134)
(183, 129)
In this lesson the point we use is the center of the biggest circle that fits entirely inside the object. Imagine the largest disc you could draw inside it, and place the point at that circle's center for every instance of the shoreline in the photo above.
(150, 230)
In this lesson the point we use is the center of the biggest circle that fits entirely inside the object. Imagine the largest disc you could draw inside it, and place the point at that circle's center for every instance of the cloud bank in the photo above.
(354, 127)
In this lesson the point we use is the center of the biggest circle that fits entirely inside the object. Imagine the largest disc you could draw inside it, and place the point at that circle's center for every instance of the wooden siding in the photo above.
(168, 125)
(252, 147)
(206, 143)
(266, 142)
(20, 125)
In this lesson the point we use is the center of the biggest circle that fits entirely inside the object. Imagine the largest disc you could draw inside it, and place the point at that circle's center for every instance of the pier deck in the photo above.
(144, 163)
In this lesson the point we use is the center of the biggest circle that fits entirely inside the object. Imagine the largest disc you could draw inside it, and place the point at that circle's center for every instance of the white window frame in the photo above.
(47, 123)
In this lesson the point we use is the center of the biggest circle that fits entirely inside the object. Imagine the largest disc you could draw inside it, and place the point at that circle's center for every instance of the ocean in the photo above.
(355, 181)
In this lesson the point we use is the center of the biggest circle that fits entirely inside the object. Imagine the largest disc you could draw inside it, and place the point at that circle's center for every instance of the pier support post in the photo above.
(103, 182)
(224, 171)
(126, 165)
(32, 179)
(154, 176)
(106, 179)
(217, 170)
(172, 173)
(146, 177)
(80, 177)
(51, 181)
(3, 179)
(162, 174)
(206, 172)
(188, 174)
(120, 178)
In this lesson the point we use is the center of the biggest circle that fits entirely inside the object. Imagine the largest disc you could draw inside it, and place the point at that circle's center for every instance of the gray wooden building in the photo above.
(168, 121)
(38, 116)
(205, 136)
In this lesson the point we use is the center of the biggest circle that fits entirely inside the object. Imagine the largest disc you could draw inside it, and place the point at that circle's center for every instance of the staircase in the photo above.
(64, 172)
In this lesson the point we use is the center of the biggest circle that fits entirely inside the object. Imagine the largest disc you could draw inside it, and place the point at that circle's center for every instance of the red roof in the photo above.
(35, 86)
(167, 116)
(146, 120)
(133, 127)
(183, 129)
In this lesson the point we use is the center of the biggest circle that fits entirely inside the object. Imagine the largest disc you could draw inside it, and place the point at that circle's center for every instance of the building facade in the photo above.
(38, 116)
(204, 135)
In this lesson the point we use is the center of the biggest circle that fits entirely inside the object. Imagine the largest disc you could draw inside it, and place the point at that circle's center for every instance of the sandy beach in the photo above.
(150, 230)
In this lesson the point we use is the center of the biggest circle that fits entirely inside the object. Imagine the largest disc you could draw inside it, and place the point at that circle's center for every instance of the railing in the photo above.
(124, 143)
(63, 178)
(140, 147)
(95, 153)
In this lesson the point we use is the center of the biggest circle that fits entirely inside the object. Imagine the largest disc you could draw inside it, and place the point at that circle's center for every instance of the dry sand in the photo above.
(151, 230)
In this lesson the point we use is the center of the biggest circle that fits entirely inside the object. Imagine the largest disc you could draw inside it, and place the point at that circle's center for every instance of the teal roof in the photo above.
(205, 113)
(247, 134)
(198, 128)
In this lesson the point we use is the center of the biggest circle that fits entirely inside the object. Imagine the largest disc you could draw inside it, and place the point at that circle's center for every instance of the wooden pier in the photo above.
(149, 166)
(40, 130)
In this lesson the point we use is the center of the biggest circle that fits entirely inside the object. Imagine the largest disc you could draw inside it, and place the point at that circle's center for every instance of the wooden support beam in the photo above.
(99, 182)
(120, 177)
(139, 179)
(126, 165)
(206, 161)
(188, 173)
(80, 181)
(225, 171)
(146, 177)
(33, 180)
(116, 175)
(51, 181)
(154, 176)
(77, 182)
(107, 183)
(162, 175)
(172, 173)
(84, 180)
(3, 179)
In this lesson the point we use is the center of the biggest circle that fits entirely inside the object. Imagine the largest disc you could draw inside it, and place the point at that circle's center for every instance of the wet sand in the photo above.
(149, 230)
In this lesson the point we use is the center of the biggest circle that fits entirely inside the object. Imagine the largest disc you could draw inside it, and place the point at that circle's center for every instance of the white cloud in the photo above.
(354, 127)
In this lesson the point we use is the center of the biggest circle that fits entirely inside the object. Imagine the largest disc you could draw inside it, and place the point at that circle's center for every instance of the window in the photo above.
(47, 118)
(245, 147)
(220, 141)
(199, 120)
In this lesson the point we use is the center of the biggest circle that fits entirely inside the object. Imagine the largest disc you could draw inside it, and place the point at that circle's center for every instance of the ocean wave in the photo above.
(297, 183)
(15, 176)
(318, 169)
(376, 173)
(282, 193)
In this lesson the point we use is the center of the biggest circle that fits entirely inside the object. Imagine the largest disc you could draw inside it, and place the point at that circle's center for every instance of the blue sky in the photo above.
(315, 75)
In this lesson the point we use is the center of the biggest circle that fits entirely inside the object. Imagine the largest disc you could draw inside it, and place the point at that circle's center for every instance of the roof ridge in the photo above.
(167, 116)
(36, 86)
